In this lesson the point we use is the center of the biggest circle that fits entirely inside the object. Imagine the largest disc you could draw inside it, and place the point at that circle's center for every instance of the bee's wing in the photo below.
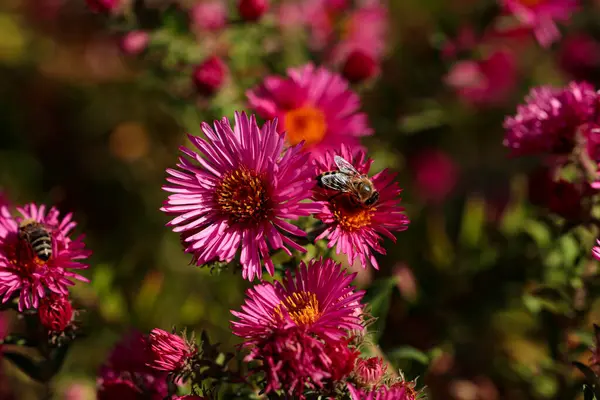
(345, 167)
(337, 181)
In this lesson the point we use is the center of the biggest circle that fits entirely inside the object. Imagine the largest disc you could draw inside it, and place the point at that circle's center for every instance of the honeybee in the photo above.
(38, 237)
(348, 180)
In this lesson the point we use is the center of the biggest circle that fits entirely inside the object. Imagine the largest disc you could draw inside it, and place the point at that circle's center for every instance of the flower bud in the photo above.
(369, 371)
(210, 75)
(359, 66)
(55, 312)
(252, 10)
(167, 352)
(103, 6)
(134, 42)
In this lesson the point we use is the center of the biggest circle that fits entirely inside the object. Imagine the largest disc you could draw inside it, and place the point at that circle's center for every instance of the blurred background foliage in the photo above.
(484, 297)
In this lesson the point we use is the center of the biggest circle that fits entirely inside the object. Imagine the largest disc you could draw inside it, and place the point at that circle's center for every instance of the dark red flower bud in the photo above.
(55, 312)
(359, 66)
(103, 6)
(252, 10)
(210, 75)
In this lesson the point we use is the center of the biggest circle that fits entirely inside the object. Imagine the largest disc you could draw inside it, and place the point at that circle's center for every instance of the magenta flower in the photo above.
(579, 56)
(540, 16)
(484, 82)
(314, 105)
(55, 312)
(134, 42)
(239, 194)
(596, 250)
(549, 120)
(210, 75)
(435, 173)
(381, 393)
(291, 359)
(369, 371)
(26, 274)
(252, 10)
(355, 229)
(168, 352)
(319, 299)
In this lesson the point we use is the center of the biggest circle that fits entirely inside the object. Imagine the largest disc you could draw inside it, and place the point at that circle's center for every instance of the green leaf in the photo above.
(27, 365)
(378, 296)
(409, 353)
(473, 221)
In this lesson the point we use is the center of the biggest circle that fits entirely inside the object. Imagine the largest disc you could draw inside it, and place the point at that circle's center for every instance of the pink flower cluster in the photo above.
(38, 262)
(235, 196)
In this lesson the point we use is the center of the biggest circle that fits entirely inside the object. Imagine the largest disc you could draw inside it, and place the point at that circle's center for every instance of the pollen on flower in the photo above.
(302, 307)
(351, 217)
(305, 123)
(242, 195)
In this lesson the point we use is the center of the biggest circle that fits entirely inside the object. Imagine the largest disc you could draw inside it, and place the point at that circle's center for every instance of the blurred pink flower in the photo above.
(579, 56)
(365, 29)
(319, 299)
(352, 228)
(435, 175)
(237, 191)
(134, 42)
(405, 282)
(25, 274)
(168, 352)
(209, 15)
(292, 360)
(359, 66)
(252, 10)
(210, 75)
(540, 16)
(125, 374)
(484, 82)
(55, 312)
(549, 120)
(314, 105)
(103, 6)
(369, 371)
(79, 391)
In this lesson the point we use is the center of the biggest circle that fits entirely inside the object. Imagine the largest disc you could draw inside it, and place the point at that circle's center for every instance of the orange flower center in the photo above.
(351, 217)
(302, 307)
(305, 123)
(242, 195)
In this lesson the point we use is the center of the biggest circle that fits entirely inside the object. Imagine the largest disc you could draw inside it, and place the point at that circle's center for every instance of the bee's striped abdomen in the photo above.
(38, 238)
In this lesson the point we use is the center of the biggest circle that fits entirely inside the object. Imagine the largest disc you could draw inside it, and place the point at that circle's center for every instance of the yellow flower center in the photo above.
(242, 195)
(351, 216)
(305, 123)
(302, 307)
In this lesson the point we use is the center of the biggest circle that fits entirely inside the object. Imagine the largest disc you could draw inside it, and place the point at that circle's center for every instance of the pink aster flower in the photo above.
(209, 15)
(319, 298)
(238, 191)
(381, 393)
(540, 16)
(355, 229)
(549, 120)
(24, 273)
(315, 105)
(168, 352)
(55, 312)
(292, 360)
(343, 358)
